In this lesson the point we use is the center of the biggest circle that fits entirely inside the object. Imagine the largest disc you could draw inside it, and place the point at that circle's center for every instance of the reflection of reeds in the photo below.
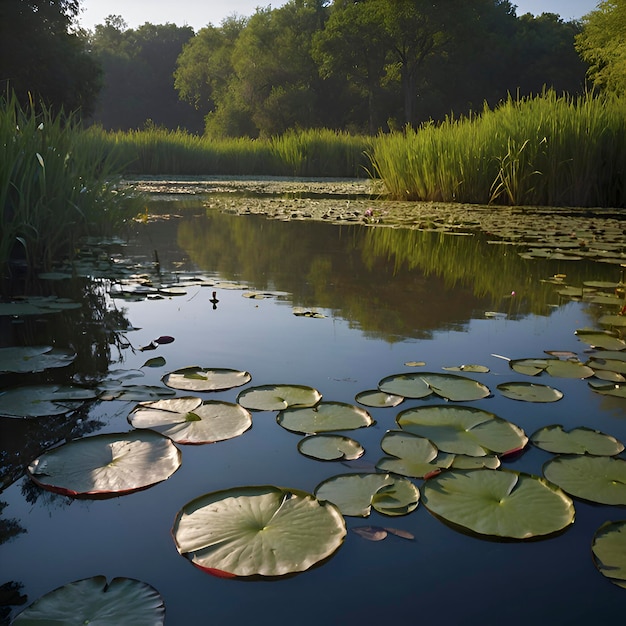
(548, 150)
(54, 186)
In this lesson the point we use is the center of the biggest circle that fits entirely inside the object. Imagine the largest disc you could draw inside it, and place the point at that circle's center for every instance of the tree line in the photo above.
(356, 65)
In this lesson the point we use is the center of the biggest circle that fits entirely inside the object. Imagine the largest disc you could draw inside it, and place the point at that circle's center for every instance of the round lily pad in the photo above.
(330, 448)
(190, 420)
(422, 384)
(40, 400)
(257, 531)
(471, 367)
(607, 340)
(577, 441)
(606, 388)
(498, 503)
(123, 602)
(529, 392)
(206, 379)
(463, 430)
(278, 397)
(599, 479)
(530, 367)
(568, 369)
(411, 385)
(378, 399)
(106, 465)
(356, 494)
(34, 358)
(609, 551)
(324, 417)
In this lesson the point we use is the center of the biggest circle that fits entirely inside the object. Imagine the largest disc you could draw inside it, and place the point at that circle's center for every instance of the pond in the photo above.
(337, 306)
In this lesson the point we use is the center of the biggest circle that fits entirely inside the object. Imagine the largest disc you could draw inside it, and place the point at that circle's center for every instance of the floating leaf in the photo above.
(379, 399)
(529, 392)
(568, 369)
(257, 531)
(40, 400)
(595, 478)
(498, 503)
(530, 367)
(206, 379)
(34, 358)
(465, 462)
(598, 339)
(422, 384)
(164, 339)
(613, 320)
(463, 430)
(188, 420)
(278, 397)
(609, 551)
(411, 385)
(577, 441)
(355, 494)
(106, 465)
(330, 448)
(612, 365)
(123, 602)
(477, 369)
(133, 393)
(605, 388)
(324, 417)
(157, 361)
(415, 363)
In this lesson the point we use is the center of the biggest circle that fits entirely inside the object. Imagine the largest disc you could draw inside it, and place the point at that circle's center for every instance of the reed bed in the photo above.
(549, 150)
(54, 187)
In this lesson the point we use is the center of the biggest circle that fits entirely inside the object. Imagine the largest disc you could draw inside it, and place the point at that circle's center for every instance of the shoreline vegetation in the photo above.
(59, 182)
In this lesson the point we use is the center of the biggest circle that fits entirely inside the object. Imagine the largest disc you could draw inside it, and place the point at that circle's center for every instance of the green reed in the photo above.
(54, 186)
(548, 150)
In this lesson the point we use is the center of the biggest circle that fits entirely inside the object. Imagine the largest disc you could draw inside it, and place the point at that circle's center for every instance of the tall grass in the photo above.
(548, 150)
(54, 186)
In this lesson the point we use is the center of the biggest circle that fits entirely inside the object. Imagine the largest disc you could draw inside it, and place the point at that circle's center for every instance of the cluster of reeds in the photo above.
(549, 150)
(55, 187)
(315, 152)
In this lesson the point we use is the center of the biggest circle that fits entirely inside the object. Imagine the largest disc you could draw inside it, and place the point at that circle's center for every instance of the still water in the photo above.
(388, 297)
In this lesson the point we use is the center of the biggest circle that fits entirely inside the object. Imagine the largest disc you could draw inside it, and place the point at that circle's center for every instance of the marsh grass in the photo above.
(550, 150)
(55, 187)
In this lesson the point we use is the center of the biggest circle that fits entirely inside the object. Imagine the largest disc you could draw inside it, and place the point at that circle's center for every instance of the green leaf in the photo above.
(599, 479)
(577, 441)
(609, 551)
(278, 397)
(257, 531)
(477, 369)
(529, 392)
(330, 448)
(106, 465)
(205, 379)
(605, 388)
(378, 399)
(598, 339)
(188, 420)
(158, 361)
(411, 385)
(463, 430)
(41, 400)
(324, 417)
(123, 602)
(34, 358)
(498, 503)
(568, 369)
(530, 367)
(422, 384)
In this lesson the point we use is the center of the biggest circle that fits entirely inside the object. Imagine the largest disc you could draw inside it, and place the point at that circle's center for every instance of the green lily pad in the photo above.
(123, 601)
(411, 385)
(257, 531)
(597, 363)
(609, 551)
(106, 465)
(324, 417)
(378, 399)
(330, 448)
(40, 400)
(422, 384)
(189, 420)
(463, 430)
(34, 358)
(498, 503)
(618, 321)
(601, 339)
(599, 479)
(411, 455)
(577, 441)
(477, 369)
(112, 390)
(568, 369)
(278, 397)
(356, 494)
(205, 379)
(529, 392)
(606, 388)
(530, 367)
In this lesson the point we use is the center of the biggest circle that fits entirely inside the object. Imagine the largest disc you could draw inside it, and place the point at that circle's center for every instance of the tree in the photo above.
(41, 57)
(602, 44)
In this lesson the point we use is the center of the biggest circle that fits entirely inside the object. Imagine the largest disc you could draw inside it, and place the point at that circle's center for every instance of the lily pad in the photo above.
(606, 388)
(463, 430)
(206, 379)
(530, 367)
(189, 420)
(40, 400)
(613, 320)
(568, 369)
(598, 363)
(422, 384)
(324, 417)
(411, 385)
(599, 479)
(609, 551)
(577, 441)
(378, 399)
(601, 339)
(472, 367)
(356, 494)
(330, 448)
(278, 397)
(257, 531)
(499, 503)
(34, 358)
(123, 602)
(106, 465)
(112, 390)
(529, 392)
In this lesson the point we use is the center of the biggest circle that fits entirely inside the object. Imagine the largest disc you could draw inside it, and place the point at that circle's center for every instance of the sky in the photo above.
(199, 13)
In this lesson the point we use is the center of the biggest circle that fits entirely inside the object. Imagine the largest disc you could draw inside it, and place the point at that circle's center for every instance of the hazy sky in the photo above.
(199, 13)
